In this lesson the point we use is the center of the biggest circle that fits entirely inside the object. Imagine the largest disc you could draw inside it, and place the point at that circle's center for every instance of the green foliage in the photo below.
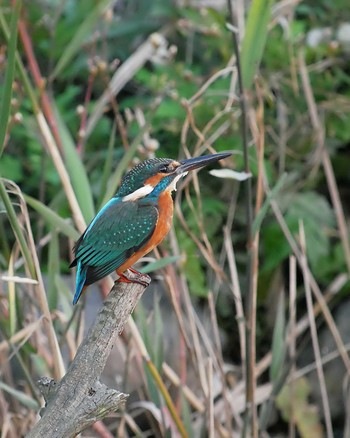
(318, 218)
(294, 404)
(254, 39)
(278, 342)
(75, 45)
(80, 35)
(152, 333)
(9, 74)
(77, 171)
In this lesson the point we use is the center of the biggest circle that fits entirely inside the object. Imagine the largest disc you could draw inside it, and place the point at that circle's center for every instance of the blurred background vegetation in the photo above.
(90, 88)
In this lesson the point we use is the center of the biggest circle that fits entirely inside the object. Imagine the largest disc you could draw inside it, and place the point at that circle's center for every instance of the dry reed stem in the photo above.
(347, 410)
(292, 338)
(238, 400)
(62, 172)
(300, 328)
(123, 75)
(221, 73)
(191, 397)
(58, 365)
(199, 363)
(327, 164)
(157, 379)
(329, 357)
(39, 81)
(210, 399)
(220, 359)
(257, 128)
(313, 284)
(313, 331)
(237, 294)
(211, 261)
(251, 421)
(21, 336)
(193, 317)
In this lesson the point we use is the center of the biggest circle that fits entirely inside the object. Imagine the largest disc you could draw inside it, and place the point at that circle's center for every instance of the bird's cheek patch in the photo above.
(139, 193)
(154, 180)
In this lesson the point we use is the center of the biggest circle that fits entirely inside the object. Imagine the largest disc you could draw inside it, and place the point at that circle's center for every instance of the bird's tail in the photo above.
(79, 281)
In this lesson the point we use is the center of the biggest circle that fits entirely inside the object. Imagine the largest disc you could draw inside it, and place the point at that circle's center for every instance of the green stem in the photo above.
(21, 70)
(9, 75)
(165, 393)
(17, 229)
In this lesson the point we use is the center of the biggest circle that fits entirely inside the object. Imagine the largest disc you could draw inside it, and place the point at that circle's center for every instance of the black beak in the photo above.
(204, 160)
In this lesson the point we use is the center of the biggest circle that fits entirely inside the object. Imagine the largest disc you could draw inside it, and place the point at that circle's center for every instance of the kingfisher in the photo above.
(133, 222)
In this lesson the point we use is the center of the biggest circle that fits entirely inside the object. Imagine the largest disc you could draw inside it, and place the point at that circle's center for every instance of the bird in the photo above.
(133, 222)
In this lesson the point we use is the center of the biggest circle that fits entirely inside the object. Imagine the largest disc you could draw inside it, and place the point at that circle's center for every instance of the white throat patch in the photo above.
(172, 186)
(139, 193)
(148, 188)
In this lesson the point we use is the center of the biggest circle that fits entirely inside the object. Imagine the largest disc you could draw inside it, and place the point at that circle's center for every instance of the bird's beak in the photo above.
(204, 160)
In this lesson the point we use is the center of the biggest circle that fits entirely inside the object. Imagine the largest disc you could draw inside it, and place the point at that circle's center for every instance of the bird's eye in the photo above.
(164, 169)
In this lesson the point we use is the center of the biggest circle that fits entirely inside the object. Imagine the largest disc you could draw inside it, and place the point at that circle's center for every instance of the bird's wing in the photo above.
(117, 232)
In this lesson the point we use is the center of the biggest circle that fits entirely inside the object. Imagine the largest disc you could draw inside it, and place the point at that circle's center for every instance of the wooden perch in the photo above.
(79, 399)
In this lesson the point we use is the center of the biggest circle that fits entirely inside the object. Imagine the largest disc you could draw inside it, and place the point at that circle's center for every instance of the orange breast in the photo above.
(165, 218)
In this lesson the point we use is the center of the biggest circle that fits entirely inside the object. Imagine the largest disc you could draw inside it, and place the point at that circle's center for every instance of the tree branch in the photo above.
(79, 399)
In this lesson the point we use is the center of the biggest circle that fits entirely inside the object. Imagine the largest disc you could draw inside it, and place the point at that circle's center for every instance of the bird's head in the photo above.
(160, 174)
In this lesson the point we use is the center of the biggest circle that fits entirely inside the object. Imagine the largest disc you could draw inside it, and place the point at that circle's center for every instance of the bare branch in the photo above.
(79, 399)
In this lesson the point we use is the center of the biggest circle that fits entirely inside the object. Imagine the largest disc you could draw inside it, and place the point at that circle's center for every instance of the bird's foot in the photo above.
(133, 276)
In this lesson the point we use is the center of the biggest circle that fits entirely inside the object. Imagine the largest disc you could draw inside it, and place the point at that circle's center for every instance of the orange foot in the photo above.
(133, 276)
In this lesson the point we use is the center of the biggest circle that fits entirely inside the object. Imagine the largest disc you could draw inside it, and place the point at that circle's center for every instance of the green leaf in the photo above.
(263, 210)
(278, 341)
(318, 216)
(52, 218)
(23, 398)
(76, 170)
(17, 229)
(11, 168)
(186, 414)
(159, 264)
(294, 404)
(5, 103)
(53, 269)
(84, 31)
(311, 207)
(192, 266)
(254, 39)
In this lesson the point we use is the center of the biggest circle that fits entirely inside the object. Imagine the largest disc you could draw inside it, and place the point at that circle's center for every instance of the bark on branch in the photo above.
(79, 399)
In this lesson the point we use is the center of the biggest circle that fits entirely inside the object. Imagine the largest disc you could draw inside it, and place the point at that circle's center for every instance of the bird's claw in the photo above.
(134, 276)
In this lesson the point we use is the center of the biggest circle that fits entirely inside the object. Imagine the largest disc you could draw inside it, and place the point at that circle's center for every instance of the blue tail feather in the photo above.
(79, 281)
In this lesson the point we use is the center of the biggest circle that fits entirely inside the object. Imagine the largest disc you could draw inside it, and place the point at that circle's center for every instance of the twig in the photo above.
(293, 338)
(79, 399)
(237, 294)
(326, 162)
(250, 308)
(39, 81)
(125, 72)
(313, 284)
(314, 338)
(81, 132)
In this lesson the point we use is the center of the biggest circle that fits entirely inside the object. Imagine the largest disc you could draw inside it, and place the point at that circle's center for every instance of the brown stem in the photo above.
(79, 399)
(39, 80)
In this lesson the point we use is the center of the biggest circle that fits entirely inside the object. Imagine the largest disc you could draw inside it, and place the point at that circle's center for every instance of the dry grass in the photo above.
(201, 389)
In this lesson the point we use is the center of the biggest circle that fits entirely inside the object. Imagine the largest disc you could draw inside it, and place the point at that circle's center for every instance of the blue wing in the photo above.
(114, 235)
